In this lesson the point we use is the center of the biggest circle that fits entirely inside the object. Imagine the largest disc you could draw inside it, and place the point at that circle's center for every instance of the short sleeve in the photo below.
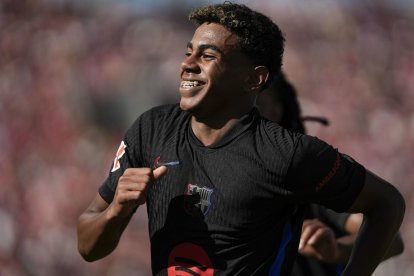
(128, 155)
(320, 174)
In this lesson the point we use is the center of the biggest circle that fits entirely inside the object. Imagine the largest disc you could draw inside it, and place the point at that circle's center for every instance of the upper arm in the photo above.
(376, 192)
(97, 205)
(322, 175)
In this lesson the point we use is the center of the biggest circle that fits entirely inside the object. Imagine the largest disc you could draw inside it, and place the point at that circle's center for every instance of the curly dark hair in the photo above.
(259, 37)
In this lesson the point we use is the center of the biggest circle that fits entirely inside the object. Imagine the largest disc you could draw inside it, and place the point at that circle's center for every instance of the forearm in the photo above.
(99, 234)
(376, 234)
(396, 248)
(345, 245)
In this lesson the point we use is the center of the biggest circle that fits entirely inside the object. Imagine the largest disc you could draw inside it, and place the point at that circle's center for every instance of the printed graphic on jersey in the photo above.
(119, 154)
(158, 163)
(331, 173)
(189, 259)
(197, 202)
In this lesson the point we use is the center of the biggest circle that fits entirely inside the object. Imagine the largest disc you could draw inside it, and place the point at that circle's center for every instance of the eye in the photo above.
(187, 54)
(208, 57)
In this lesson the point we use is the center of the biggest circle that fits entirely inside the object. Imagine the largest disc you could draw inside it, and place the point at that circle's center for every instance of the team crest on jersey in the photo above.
(197, 202)
(120, 152)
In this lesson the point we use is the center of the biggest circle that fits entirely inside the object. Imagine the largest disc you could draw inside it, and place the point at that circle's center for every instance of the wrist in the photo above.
(342, 253)
(111, 215)
(114, 214)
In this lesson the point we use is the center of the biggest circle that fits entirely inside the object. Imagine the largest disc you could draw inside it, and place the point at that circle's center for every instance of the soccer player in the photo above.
(327, 237)
(224, 187)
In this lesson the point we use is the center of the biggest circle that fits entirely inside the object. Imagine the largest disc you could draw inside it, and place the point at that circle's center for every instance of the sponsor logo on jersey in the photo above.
(120, 152)
(331, 173)
(189, 259)
(197, 202)
(158, 163)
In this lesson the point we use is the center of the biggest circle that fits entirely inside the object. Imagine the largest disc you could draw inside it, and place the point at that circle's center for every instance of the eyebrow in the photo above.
(203, 47)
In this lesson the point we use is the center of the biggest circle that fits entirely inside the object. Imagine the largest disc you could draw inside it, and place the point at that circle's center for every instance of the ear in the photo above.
(257, 78)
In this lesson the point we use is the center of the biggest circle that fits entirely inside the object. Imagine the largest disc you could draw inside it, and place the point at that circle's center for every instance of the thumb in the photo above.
(159, 172)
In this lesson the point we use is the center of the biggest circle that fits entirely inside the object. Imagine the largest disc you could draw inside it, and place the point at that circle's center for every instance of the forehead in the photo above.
(214, 34)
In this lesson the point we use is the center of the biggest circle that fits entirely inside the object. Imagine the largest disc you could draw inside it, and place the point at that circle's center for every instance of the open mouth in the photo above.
(191, 83)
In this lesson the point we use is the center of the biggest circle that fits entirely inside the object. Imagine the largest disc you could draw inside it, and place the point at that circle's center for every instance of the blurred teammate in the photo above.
(223, 186)
(327, 237)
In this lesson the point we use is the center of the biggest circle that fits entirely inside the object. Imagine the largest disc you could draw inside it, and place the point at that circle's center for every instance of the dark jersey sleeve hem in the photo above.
(106, 193)
(349, 196)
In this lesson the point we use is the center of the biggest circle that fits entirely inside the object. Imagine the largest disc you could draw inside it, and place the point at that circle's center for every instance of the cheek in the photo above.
(214, 70)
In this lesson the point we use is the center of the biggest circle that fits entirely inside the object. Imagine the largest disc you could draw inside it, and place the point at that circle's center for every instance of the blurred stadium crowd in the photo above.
(74, 77)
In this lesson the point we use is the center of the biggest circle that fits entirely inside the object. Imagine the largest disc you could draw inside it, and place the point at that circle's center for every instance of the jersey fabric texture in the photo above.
(234, 207)
(306, 266)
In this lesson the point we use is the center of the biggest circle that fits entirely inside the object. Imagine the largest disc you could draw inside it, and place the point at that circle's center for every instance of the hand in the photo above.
(132, 188)
(318, 241)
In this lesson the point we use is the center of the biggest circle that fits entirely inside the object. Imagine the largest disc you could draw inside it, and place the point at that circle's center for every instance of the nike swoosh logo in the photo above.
(173, 163)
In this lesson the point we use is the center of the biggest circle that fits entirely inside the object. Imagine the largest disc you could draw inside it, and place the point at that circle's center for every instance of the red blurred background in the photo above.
(74, 76)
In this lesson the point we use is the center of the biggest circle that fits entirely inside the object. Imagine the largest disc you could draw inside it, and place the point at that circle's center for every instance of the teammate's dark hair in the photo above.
(259, 37)
(283, 91)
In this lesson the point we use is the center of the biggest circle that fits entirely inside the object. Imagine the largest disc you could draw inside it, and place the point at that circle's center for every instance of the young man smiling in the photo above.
(230, 201)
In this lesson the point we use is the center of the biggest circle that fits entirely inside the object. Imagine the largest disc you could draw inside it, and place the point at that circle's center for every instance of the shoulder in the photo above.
(163, 112)
(159, 116)
(291, 143)
(282, 139)
(157, 119)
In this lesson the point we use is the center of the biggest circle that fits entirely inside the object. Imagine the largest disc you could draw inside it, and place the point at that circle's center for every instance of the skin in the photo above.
(317, 240)
(101, 225)
(210, 59)
(383, 208)
(230, 85)
(214, 59)
(371, 240)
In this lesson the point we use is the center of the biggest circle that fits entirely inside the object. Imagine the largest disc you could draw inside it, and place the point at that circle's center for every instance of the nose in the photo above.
(189, 64)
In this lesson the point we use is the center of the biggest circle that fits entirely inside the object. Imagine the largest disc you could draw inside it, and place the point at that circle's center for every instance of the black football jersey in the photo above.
(234, 207)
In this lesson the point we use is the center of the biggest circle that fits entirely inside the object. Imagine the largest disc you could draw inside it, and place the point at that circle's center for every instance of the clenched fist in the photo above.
(318, 241)
(132, 188)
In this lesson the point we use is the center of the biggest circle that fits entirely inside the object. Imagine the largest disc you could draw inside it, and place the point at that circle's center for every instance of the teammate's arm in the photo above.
(383, 208)
(101, 225)
(318, 241)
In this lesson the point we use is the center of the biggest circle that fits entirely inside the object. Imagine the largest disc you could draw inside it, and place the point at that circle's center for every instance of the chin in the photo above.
(185, 105)
(192, 109)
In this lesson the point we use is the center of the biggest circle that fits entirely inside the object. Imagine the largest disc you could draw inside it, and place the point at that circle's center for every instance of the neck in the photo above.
(210, 130)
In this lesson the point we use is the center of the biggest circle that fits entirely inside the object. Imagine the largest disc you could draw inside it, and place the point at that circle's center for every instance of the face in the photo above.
(213, 73)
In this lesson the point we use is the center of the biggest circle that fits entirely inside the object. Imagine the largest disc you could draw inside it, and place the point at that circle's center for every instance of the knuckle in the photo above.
(128, 171)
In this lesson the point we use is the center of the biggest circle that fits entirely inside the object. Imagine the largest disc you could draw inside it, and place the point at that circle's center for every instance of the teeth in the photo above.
(187, 84)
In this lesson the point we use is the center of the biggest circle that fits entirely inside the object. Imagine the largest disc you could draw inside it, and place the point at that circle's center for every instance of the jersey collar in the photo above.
(241, 126)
